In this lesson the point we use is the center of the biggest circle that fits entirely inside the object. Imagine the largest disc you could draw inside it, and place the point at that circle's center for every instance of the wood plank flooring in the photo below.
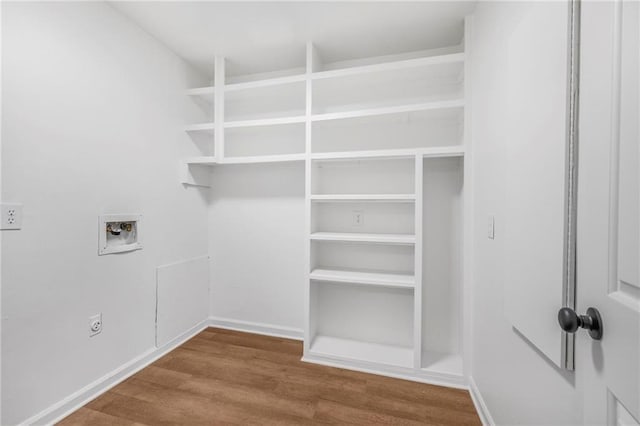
(228, 377)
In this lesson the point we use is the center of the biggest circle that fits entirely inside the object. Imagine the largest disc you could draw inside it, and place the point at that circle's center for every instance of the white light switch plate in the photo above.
(11, 216)
(491, 228)
(358, 218)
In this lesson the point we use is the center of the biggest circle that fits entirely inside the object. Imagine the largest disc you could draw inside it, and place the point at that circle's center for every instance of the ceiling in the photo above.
(267, 36)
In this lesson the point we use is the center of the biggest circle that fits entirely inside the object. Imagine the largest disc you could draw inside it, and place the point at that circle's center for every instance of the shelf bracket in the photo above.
(195, 175)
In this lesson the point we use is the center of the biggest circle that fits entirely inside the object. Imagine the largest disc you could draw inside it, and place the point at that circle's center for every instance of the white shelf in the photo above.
(256, 84)
(364, 277)
(356, 155)
(202, 127)
(205, 93)
(425, 106)
(442, 151)
(434, 152)
(354, 350)
(265, 122)
(264, 159)
(439, 362)
(456, 151)
(201, 91)
(356, 70)
(399, 198)
(246, 160)
(391, 66)
(364, 238)
(209, 91)
(205, 161)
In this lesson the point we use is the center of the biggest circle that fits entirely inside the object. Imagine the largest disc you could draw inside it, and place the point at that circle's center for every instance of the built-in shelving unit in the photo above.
(383, 142)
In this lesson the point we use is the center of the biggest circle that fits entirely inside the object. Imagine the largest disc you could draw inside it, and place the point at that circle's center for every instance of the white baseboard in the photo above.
(68, 405)
(481, 406)
(450, 381)
(257, 328)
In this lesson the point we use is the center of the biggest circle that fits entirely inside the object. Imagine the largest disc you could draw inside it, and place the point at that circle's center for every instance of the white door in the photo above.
(608, 257)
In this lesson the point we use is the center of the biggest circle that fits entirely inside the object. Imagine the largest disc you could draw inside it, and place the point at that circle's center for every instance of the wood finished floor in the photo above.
(229, 377)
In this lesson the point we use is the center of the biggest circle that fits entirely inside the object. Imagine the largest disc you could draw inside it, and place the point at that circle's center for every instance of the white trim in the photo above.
(481, 406)
(76, 400)
(468, 203)
(257, 328)
(418, 217)
(218, 106)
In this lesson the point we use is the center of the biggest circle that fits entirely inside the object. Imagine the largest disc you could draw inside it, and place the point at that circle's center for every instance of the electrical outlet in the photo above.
(95, 325)
(358, 218)
(11, 216)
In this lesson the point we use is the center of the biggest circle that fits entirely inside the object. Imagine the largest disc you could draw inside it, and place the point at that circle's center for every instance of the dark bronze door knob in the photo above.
(570, 322)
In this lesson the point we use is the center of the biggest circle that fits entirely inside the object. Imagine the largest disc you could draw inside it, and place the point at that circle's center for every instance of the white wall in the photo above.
(256, 243)
(93, 110)
(519, 385)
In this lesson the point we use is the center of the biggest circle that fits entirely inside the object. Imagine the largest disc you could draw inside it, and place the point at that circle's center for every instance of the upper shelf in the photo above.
(265, 122)
(438, 151)
(391, 66)
(212, 161)
(407, 64)
(445, 104)
(203, 127)
(276, 81)
(444, 151)
(206, 93)
(369, 112)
